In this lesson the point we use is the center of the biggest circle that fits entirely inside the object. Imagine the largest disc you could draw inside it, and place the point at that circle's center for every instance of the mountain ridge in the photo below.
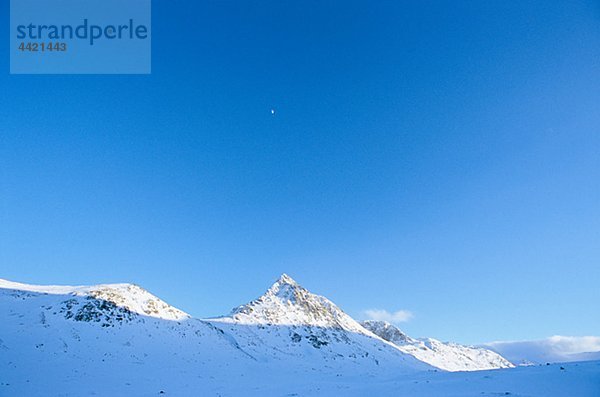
(444, 355)
(125, 295)
(287, 318)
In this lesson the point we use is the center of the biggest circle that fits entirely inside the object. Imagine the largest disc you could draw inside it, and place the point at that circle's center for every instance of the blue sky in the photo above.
(434, 157)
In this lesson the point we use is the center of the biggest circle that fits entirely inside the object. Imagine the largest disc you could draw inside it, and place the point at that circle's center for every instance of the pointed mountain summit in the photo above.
(285, 279)
(288, 303)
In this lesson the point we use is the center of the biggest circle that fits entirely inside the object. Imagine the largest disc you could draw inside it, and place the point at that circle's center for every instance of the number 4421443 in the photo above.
(43, 47)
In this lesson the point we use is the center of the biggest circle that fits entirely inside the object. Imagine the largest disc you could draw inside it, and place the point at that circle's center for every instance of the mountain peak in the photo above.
(286, 288)
(288, 303)
(286, 279)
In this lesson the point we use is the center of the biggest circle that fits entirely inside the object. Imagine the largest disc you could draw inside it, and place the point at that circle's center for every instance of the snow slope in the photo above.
(447, 356)
(70, 341)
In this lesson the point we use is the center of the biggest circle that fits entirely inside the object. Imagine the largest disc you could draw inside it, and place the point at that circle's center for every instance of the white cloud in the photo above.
(575, 344)
(400, 316)
(552, 349)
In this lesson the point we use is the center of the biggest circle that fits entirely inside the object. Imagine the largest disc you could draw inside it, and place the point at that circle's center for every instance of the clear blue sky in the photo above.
(437, 157)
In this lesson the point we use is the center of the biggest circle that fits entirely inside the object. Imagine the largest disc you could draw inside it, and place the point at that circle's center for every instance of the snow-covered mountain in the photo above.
(297, 323)
(292, 313)
(126, 299)
(288, 303)
(447, 356)
(120, 340)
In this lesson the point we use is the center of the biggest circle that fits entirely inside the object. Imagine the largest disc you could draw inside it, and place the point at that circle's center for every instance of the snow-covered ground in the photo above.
(120, 340)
